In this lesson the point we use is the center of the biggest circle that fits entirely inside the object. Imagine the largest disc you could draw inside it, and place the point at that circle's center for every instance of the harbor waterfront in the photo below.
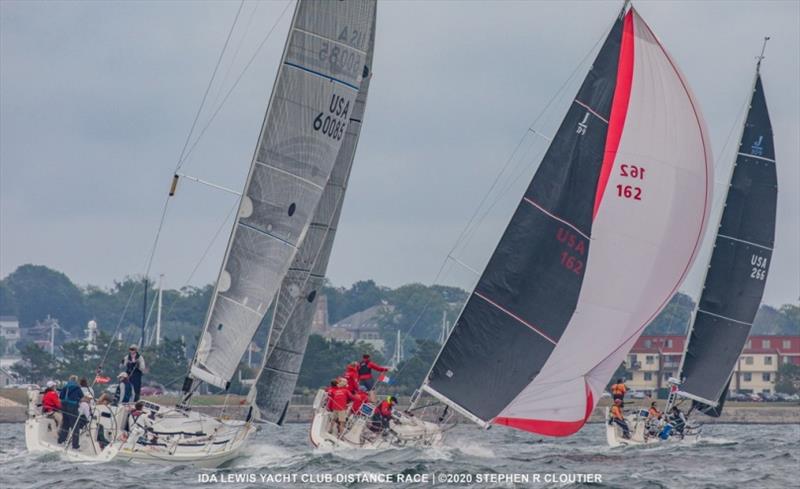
(765, 456)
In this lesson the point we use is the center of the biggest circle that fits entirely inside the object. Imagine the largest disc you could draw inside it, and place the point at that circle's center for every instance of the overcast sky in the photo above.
(96, 100)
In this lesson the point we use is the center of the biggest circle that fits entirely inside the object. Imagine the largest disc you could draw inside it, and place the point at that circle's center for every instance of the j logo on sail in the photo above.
(757, 149)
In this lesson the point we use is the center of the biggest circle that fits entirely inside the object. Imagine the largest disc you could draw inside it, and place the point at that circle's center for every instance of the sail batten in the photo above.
(306, 120)
(602, 237)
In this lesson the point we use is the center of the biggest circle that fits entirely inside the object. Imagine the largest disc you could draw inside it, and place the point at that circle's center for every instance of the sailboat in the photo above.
(601, 239)
(277, 251)
(735, 277)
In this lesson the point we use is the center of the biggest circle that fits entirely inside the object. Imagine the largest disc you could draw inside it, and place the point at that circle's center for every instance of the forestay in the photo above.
(600, 241)
(296, 302)
(739, 265)
(308, 115)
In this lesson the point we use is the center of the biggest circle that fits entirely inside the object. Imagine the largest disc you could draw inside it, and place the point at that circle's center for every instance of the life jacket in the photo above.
(618, 389)
(364, 370)
(384, 409)
(50, 402)
(132, 365)
(654, 412)
(616, 412)
(339, 397)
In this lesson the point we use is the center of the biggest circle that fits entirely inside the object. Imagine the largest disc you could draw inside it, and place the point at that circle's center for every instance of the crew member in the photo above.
(84, 416)
(70, 396)
(351, 375)
(383, 414)
(618, 418)
(338, 399)
(51, 404)
(365, 368)
(678, 420)
(134, 366)
(86, 388)
(653, 412)
(618, 390)
(124, 392)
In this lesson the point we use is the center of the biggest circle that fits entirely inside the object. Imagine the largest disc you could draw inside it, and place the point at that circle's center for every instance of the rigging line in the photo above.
(208, 87)
(560, 93)
(235, 84)
(469, 224)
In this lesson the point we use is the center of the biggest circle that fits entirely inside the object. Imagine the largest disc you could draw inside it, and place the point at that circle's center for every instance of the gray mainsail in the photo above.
(308, 115)
(296, 303)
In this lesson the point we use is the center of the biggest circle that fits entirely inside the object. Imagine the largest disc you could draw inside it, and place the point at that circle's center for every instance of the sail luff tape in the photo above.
(174, 185)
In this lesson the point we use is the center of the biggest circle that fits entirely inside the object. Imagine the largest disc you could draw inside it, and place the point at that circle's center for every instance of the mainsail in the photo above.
(307, 118)
(600, 241)
(739, 265)
(296, 303)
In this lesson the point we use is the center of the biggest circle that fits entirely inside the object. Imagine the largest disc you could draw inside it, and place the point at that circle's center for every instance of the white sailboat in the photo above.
(601, 239)
(293, 189)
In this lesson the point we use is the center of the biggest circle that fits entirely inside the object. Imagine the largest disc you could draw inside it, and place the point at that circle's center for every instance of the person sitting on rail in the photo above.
(51, 404)
(618, 418)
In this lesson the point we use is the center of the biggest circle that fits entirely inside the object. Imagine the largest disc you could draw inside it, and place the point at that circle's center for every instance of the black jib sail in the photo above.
(739, 265)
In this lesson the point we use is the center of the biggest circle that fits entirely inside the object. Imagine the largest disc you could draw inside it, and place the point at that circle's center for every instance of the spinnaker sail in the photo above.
(306, 121)
(737, 272)
(602, 238)
(296, 301)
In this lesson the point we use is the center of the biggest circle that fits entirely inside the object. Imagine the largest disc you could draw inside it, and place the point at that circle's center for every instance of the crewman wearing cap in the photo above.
(133, 365)
(618, 418)
(124, 392)
(51, 404)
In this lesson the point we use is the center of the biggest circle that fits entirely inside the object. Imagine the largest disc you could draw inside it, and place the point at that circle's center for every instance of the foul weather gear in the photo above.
(51, 402)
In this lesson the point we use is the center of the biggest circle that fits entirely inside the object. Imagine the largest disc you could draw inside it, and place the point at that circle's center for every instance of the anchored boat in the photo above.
(601, 239)
(735, 277)
(276, 255)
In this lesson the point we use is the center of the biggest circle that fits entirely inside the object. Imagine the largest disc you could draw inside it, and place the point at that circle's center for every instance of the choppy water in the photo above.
(753, 456)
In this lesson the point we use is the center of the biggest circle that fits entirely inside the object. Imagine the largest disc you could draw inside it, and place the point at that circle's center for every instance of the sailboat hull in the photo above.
(171, 436)
(639, 433)
(406, 431)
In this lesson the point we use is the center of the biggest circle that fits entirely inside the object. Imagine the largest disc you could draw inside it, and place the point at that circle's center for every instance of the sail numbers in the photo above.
(759, 263)
(630, 191)
(575, 250)
(334, 123)
(341, 60)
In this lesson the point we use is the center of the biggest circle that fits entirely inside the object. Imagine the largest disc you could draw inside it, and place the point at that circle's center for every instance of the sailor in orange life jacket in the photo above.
(618, 418)
(338, 399)
(365, 368)
(383, 414)
(618, 390)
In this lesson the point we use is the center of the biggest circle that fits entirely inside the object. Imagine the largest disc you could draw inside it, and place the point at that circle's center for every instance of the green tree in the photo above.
(788, 380)
(3, 346)
(167, 363)
(8, 303)
(674, 318)
(325, 360)
(36, 365)
(411, 372)
(40, 291)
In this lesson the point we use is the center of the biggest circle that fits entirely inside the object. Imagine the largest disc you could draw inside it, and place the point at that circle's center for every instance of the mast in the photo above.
(158, 313)
(144, 314)
(737, 270)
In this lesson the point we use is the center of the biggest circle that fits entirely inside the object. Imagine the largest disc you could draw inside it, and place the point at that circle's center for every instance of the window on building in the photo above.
(649, 359)
(648, 376)
(669, 343)
(748, 360)
(765, 376)
(747, 377)
(768, 360)
(786, 360)
(631, 359)
(748, 345)
(787, 344)
(667, 375)
(764, 343)
(648, 344)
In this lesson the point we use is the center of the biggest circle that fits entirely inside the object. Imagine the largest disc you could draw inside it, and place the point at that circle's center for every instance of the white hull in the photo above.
(406, 432)
(167, 437)
(639, 434)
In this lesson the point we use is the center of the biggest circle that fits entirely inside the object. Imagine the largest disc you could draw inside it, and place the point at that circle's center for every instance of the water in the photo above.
(753, 456)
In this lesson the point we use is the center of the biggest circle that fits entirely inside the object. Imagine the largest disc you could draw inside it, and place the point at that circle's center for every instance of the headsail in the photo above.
(603, 236)
(307, 118)
(739, 265)
(296, 300)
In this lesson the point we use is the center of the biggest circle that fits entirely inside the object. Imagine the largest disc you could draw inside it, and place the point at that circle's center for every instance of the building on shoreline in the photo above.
(654, 359)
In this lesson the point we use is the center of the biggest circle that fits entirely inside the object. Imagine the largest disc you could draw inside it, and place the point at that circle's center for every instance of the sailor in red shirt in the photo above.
(365, 368)
(51, 404)
(338, 399)
(351, 375)
(383, 414)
